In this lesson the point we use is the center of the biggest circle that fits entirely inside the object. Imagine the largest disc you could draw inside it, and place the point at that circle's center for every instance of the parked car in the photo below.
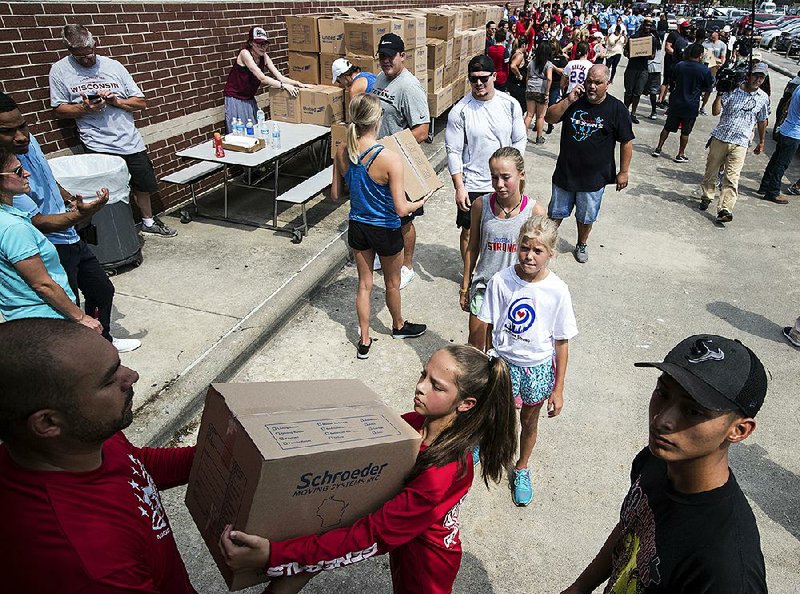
(762, 17)
(709, 24)
(770, 36)
(783, 44)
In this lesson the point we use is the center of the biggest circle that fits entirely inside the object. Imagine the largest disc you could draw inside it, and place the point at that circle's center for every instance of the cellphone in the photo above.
(94, 98)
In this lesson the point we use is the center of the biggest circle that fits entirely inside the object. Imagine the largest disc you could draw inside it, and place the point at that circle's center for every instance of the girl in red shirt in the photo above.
(462, 399)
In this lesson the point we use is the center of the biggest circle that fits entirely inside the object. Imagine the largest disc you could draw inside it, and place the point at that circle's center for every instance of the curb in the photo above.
(781, 69)
(183, 398)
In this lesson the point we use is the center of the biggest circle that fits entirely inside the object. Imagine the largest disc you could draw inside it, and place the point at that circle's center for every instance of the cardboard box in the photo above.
(412, 28)
(322, 105)
(361, 37)
(641, 47)
(440, 24)
(229, 146)
(304, 66)
(325, 64)
(303, 33)
(439, 101)
(283, 107)
(461, 43)
(417, 59)
(436, 52)
(338, 136)
(436, 79)
(347, 98)
(419, 177)
(422, 77)
(366, 63)
(283, 459)
(331, 35)
(448, 51)
(450, 69)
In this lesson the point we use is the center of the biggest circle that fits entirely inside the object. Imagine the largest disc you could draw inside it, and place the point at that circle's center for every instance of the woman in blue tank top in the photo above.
(350, 77)
(374, 176)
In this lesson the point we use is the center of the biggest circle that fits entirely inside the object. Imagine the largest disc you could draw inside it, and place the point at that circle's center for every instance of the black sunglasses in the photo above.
(484, 79)
(18, 171)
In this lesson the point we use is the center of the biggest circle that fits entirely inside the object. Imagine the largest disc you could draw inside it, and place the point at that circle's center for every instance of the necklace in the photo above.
(508, 212)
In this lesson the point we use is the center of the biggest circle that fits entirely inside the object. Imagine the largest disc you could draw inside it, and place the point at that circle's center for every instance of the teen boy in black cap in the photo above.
(685, 525)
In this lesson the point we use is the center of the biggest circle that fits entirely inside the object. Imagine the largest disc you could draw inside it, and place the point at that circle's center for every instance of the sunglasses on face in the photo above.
(476, 79)
(18, 171)
(260, 43)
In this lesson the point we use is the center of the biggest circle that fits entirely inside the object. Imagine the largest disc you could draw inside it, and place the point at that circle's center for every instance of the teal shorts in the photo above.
(532, 384)
(476, 302)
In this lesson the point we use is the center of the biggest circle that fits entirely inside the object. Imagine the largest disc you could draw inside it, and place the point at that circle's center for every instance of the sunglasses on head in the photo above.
(18, 171)
(476, 79)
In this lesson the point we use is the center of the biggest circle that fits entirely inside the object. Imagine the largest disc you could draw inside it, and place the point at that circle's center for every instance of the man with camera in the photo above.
(741, 109)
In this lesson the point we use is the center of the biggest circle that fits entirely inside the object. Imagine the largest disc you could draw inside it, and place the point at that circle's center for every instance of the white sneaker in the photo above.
(126, 345)
(406, 275)
(376, 265)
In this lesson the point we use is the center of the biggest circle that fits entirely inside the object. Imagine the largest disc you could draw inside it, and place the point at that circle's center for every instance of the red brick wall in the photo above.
(179, 53)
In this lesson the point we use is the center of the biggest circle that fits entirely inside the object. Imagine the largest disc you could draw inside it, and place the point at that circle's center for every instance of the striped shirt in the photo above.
(740, 112)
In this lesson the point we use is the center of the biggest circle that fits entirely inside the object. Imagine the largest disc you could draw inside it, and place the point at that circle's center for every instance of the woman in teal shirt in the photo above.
(33, 283)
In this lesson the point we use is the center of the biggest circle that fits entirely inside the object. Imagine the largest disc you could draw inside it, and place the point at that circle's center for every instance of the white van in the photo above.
(767, 7)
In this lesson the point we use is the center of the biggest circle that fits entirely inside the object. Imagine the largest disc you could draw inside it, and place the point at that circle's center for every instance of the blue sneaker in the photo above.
(476, 455)
(523, 491)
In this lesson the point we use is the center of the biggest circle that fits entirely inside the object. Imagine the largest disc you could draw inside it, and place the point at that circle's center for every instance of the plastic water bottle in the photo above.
(234, 126)
(249, 128)
(276, 136)
(261, 128)
(239, 131)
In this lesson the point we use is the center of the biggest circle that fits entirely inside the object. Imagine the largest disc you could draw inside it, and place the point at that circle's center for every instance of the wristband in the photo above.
(463, 291)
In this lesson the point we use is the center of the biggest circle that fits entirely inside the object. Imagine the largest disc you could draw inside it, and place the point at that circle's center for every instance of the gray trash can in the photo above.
(117, 239)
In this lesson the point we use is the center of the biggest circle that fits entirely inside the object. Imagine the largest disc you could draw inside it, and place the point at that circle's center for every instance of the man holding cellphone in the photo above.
(101, 96)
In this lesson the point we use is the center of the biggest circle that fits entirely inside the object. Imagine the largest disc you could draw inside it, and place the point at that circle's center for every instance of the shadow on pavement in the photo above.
(747, 321)
(437, 260)
(773, 488)
(473, 577)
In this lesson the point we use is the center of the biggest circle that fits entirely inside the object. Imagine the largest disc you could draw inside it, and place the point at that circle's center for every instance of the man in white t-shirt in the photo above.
(576, 70)
(479, 124)
(101, 96)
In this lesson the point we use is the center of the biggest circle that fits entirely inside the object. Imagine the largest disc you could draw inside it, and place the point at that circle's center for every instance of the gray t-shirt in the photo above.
(718, 48)
(110, 130)
(404, 102)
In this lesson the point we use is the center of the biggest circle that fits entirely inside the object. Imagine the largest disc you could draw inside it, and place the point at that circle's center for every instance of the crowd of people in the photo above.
(85, 501)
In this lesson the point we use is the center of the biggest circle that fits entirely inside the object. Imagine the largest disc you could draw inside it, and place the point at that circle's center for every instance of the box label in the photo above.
(320, 432)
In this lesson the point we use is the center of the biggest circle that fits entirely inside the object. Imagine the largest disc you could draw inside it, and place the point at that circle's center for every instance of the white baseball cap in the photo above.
(726, 29)
(339, 67)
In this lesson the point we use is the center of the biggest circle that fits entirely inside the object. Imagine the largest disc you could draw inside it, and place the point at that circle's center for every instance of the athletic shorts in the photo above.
(586, 204)
(653, 83)
(668, 76)
(476, 301)
(143, 177)
(463, 219)
(539, 98)
(385, 241)
(533, 385)
(410, 218)
(635, 82)
(673, 121)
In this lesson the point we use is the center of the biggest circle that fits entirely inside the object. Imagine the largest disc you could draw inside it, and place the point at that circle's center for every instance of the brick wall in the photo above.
(178, 52)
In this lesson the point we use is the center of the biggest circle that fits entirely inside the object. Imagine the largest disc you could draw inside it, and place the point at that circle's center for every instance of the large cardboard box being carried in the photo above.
(331, 35)
(338, 136)
(361, 37)
(303, 33)
(641, 47)
(322, 105)
(419, 177)
(283, 459)
(283, 107)
(304, 66)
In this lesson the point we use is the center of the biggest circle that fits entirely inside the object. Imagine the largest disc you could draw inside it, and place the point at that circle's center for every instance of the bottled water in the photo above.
(239, 127)
(250, 131)
(276, 136)
(261, 126)
(234, 126)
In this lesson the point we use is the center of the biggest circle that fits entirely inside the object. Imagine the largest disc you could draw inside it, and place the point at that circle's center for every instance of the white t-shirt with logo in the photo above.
(110, 130)
(575, 72)
(527, 317)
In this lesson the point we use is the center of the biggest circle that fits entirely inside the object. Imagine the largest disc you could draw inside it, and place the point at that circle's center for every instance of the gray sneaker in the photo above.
(581, 253)
(159, 228)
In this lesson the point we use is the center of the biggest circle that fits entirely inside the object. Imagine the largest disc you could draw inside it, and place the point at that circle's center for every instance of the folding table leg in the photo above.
(275, 195)
(225, 191)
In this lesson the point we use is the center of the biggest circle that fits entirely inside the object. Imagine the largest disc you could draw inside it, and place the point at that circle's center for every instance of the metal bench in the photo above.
(190, 175)
(302, 193)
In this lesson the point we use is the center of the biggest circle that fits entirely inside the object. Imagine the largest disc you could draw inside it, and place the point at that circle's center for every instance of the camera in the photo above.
(728, 78)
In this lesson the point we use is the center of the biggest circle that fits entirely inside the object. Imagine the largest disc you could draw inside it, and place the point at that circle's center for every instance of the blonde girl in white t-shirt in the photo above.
(529, 312)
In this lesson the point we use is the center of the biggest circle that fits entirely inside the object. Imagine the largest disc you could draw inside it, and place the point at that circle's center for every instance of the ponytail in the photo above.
(365, 115)
(352, 143)
(491, 423)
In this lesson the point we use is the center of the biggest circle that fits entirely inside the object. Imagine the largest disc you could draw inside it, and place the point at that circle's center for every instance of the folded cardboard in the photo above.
(361, 36)
(303, 33)
(419, 177)
(417, 59)
(436, 52)
(641, 47)
(322, 105)
(283, 459)
(304, 67)
(331, 35)
(283, 107)
(338, 136)
(439, 101)
(326, 67)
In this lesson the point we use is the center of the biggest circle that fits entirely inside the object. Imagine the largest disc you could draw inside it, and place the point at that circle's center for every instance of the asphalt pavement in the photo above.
(229, 302)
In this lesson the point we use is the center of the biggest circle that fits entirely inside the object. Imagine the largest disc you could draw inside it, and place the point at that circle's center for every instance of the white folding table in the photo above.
(294, 137)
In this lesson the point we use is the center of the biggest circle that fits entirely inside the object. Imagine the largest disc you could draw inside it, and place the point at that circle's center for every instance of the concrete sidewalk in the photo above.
(204, 301)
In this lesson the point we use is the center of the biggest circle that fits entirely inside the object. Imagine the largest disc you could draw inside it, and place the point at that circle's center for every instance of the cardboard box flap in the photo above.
(349, 11)
(420, 178)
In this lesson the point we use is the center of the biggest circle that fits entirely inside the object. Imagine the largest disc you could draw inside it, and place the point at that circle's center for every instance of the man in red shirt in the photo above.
(81, 510)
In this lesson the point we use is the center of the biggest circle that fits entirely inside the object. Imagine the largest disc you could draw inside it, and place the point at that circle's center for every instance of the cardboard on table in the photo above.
(326, 67)
(283, 107)
(322, 105)
(338, 136)
(361, 36)
(304, 67)
(641, 47)
(436, 52)
(284, 459)
(331, 35)
(303, 33)
(419, 177)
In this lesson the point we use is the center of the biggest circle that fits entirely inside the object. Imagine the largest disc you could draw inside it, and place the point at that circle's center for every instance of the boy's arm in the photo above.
(599, 569)
(556, 401)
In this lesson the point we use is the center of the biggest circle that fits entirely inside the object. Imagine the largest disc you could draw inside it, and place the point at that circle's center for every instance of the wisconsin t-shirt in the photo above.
(676, 542)
(586, 160)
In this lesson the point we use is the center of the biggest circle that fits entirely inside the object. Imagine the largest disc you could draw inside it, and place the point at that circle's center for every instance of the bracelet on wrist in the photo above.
(463, 291)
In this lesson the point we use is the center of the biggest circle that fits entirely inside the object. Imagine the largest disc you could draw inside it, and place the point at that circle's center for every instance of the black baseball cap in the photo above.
(481, 63)
(391, 45)
(719, 373)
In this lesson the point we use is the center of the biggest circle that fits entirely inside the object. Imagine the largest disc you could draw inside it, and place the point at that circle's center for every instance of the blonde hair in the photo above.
(541, 229)
(513, 155)
(365, 115)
